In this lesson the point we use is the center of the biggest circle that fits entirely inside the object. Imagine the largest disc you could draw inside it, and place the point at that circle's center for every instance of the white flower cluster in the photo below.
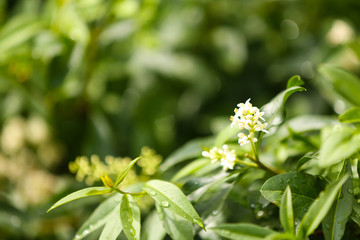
(249, 118)
(226, 156)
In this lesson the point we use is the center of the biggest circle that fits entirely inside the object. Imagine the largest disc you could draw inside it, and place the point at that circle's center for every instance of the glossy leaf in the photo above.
(112, 227)
(355, 215)
(274, 110)
(152, 228)
(86, 192)
(295, 81)
(286, 211)
(191, 149)
(241, 231)
(319, 209)
(334, 223)
(225, 135)
(100, 216)
(281, 236)
(338, 143)
(130, 217)
(191, 168)
(344, 83)
(304, 188)
(351, 115)
(304, 160)
(305, 124)
(125, 172)
(177, 227)
(171, 197)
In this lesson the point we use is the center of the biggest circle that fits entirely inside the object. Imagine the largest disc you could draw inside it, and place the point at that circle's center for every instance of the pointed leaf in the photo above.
(355, 215)
(125, 172)
(130, 217)
(286, 211)
(281, 236)
(319, 209)
(191, 168)
(304, 190)
(225, 135)
(241, 231)
(304, 160)
(335, 221)
(177, 227)
(100, 216)
(274, 110)
(351, 115)
(191, 149)
(295, 81)
(171, 197)
(113, 226)
(152, 228)
(86, 192)
(344, 83)
(338, 143)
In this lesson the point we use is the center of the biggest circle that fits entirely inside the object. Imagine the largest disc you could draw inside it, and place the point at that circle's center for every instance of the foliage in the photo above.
(315, 196)
(104, 78)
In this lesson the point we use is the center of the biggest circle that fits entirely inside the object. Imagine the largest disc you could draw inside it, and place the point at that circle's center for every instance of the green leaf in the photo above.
(305, 124)
(100, 216)
(344, 83)
(112, 227)
(338, 143)
(86, 192)
(304, 160)
(334, 223)
(17, 31)
(281, 236)
(355, 46)
(304, 188)
(319, 209)
(225, 135)
(355, 215)
(152, 228)
(191, 149)
(171, 197)
(238, 231)
(125, 172)
(274, 111)
(191, 168)
(130, 217)
(295, 81)
(351, 115)
(286, 211)
(177, 227)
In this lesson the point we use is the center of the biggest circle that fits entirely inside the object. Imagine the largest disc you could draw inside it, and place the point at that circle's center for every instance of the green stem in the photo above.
(246, 163)
(257, 159)
(133, 194)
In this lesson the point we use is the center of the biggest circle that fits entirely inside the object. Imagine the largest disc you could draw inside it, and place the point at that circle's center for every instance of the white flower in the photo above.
(249, 118)
(226, 156)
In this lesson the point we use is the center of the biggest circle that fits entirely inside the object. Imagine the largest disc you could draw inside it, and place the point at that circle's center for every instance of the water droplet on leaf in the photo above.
(165, 204)
(132, 231)
(152, 193)
(260, 213)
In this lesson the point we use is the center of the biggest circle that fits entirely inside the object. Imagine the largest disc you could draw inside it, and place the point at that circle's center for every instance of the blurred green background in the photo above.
(107, 77)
